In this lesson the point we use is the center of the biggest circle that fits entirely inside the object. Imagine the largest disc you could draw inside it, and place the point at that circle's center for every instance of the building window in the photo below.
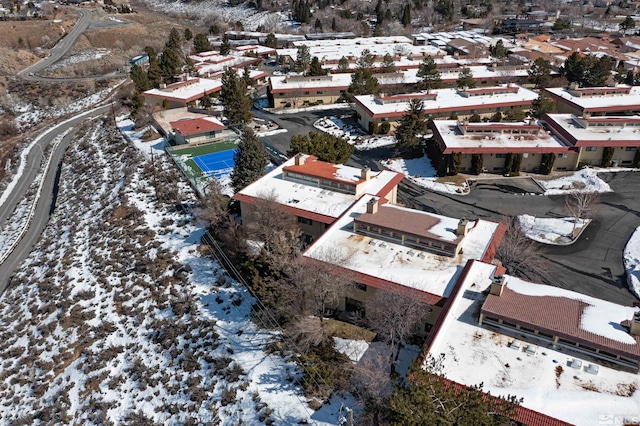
(306, 93)
(319, 92)
(361, 287)
(353, 305)
(630, 148)
(563, 155)
(305, 220)
(591, 148)
(501, 155)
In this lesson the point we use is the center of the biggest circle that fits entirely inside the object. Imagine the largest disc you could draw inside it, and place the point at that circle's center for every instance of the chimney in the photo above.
(365, 174)
(634, 328)
(163, 85)
(463, 227)
(372, 206)
(497, 285)
(300, 159)
(574, 85)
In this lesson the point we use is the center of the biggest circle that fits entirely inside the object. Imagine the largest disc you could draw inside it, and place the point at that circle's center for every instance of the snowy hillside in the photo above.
(102, 326)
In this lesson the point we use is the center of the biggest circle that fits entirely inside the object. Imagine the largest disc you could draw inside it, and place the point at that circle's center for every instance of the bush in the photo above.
(476, 164)
(546, 163)
(373, 127)
(385, 128)
(607, 155)
(636, 159)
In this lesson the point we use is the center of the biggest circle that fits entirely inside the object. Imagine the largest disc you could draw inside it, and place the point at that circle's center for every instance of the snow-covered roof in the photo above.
(375, 260)
(455, 136)
(475, 354)
(450, 100)
(323, 204)
(626, 98)
(186, 91)
(621, 131)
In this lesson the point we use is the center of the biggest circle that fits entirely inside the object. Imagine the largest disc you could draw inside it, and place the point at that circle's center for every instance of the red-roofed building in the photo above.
(199, 131)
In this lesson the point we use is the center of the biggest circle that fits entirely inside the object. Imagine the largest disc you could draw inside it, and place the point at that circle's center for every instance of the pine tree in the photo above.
(174, 40)
(250, 160)
(498, 51)
(140, 79)
(188, 35)
(152, 54)
(271, 41)
(233, 96)
(205, 101)
(326, 147)
(465, 79)
(316, 67)
(406, 15)
(333, 24)
(170, 63)
(363, 81)
(540, 72)
(412, 124)
(343, 65)
(303, 58)
(225, 47)
(201, 43)
(429, 75)
(388, 64)
(154, 73)
(627, 24)
(542, 105)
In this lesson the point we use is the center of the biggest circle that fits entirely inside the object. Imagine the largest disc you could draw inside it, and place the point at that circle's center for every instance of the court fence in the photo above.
(198, 181)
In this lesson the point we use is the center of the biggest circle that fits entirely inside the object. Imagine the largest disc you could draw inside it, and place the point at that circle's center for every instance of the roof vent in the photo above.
(463, 227)
(299, 159)
(372, 205)
(365, 174)
(634, 328)
(497, 285)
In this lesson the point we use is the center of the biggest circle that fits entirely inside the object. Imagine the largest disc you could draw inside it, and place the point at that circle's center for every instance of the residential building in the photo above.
(525, 339)
(443, 103)
(382, 246)
(598, 138)
(496, 141)
(615, 100)
(199, 131)
(316, 192)
(182, 93)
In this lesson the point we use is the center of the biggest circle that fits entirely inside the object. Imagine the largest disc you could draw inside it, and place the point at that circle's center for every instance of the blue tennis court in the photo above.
(217, 163)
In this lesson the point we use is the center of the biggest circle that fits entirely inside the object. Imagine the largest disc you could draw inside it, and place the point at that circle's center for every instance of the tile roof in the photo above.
(196, 126)
(560, 316)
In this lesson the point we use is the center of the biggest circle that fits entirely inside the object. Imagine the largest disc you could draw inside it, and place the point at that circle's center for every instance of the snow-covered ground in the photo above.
(83, 56)
(311, 108)
(421, 172)
(125, 125)
(357, 137)
(556, 231)
(250, 18)
(100, 325)
(632, 262)
(585, 180)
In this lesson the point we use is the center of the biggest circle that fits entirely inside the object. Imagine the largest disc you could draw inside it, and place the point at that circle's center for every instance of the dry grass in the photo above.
(348, 331)
(456, 179)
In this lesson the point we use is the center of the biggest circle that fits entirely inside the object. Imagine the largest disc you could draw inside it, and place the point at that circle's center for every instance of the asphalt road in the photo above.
(59, 50)
(43, 207)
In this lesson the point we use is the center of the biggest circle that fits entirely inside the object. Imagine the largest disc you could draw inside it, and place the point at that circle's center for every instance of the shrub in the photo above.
(607, 155)
(373, 127)
(546, 163)
(385, 128)
(476, 164)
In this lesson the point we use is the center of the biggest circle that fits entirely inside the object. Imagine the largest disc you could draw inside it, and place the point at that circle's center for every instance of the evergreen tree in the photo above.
(188, 35)
(388, 64)
(140, 79)
(429, 75)
(542, 105)
(627, 24)
(174, 40)
(412, 124)
(271, 41)
(514, 114)
(588, 70)
(152, 54)
(318, 25)
(343, 65)
(540, 72)
(333, 24)
(201, 43)
(326, 147)
(205, 101)
(170, 64)
(498, 51)
(225, 47)
(154, 74)
(465, 79)
(303, 58)
(363, 81)
(573, 69)
(250, 160)
(427, 398)
(316, 67)
(233, 96)
(246, 76)
(406, 15)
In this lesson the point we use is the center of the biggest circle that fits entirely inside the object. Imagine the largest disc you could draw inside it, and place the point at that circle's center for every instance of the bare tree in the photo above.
(395, 318)
(519, 254)
(213, 207)
(372, 386)
(580, 205)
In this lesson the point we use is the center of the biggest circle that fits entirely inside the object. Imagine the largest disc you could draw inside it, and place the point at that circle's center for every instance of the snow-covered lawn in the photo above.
(585, 180)
(556, 231)
(311, 108)
(421, 172)
(632, 262)
(357, 137)
(125, 125)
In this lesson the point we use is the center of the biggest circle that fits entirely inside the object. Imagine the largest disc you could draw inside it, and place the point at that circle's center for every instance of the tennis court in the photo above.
(217, 163)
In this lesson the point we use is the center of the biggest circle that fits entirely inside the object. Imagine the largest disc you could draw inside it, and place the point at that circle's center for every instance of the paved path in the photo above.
(43, 208)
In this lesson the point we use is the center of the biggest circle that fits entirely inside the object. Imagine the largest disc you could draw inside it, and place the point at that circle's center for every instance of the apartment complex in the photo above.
(613, 100)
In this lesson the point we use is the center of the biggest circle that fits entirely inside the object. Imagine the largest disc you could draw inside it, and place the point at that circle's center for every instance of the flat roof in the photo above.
(188, 91)
(382, 263)
(448, 133)
(324, 205)
(476, 354)
(604, 131)
(448, 100)
(599, 103)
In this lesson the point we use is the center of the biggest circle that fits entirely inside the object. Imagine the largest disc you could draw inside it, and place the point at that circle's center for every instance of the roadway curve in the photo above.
(59, 50)
(43, 207)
